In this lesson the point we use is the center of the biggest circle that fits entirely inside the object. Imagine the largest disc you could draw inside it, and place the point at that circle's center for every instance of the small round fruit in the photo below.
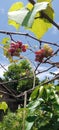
(50, 51)
(19, 43)
(46, 47)
(23, 48)
(12, 45)
(11, 50)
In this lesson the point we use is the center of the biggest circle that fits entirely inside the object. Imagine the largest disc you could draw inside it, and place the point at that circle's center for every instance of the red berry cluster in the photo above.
(40, 55)
(15, 48)
(45, 52)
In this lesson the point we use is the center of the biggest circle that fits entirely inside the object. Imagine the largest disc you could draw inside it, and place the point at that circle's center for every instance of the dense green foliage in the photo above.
(42, 112)
(22, 72)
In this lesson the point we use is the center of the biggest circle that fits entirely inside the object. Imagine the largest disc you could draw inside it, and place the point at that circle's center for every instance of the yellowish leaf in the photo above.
(16, 6)
(13, 23)
(29, 6)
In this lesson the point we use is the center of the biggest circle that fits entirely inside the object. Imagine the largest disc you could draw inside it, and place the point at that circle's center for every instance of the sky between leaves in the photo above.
(52, 35)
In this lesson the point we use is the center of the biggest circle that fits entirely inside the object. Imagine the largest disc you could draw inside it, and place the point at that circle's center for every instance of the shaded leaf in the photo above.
(35, 93)
(29, 125)
(43, 92)
(29, 122)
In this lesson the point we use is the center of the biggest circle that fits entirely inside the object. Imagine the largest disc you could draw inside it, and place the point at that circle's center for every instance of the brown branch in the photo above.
(28, 35)
(55, 64)
(54, 78)
(3, 67)
(9, 90)
(32, 1)
(45, 70)
(30, 90)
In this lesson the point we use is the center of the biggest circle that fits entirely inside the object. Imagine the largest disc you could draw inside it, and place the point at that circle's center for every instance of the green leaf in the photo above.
(57, 98)
(43, 0)
(34, 94)
(18, 16)
(34, 104)
(29, 122)
(5, 40)
(3, 106)
(43, 92)
(29, 125)
(13, 23)
(31, 18)
(31, 15)
(16, 6)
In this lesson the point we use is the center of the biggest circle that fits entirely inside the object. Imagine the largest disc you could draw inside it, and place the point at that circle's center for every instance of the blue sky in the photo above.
(52, 35)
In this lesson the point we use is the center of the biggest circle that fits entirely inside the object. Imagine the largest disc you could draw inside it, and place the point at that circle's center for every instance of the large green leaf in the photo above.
(41, 25)
(16, 6)
(35, 94)
(25, 17)
(18, 16)
(29, 122)
(30, 17)
(29, 125)
(37, 7)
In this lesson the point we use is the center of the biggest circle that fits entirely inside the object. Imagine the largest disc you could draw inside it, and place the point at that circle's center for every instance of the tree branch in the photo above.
(28, 35)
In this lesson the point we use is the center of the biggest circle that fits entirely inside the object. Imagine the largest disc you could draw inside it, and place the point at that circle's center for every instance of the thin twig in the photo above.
(28, 35)
(45, 70)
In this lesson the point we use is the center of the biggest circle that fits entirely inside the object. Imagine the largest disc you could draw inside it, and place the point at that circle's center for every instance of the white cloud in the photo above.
(57, 71)
(2, 70)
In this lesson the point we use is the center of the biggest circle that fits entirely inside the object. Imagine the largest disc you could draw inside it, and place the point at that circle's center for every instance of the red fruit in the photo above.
(16, 45)
(37, 52)
(39, 58)
(19, 43)
(42, 51)
(12, 45)
(23, 48)
(11, 51)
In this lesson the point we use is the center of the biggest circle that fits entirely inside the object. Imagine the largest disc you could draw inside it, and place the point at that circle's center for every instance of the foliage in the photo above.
(17, 72)
(12, 121)
(44, 108)
(42, 112)
(30, 16)
(3, 106)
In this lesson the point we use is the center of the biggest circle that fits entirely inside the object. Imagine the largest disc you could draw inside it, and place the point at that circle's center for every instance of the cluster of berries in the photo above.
(17, 47)
(45, 52)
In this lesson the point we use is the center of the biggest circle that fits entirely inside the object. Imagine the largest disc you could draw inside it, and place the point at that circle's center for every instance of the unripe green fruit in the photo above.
(46, 47)
(50, 51)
